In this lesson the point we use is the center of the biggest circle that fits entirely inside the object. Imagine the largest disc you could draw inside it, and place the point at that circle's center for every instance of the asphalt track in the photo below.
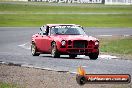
(15, 48)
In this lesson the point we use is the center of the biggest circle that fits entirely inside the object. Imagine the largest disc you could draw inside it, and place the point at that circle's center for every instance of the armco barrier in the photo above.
(70, 1)
(106, 2)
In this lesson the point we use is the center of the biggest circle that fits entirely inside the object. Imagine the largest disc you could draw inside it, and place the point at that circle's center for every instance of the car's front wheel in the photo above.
(34, 50)
(93, 56)
(54, 51)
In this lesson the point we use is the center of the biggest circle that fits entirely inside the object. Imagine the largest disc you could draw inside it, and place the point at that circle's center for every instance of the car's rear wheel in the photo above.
(93, 56)
(54, 51)
(72, 55)
(34, 50)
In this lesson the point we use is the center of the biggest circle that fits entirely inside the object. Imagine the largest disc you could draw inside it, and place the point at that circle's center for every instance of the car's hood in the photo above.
(73, 37)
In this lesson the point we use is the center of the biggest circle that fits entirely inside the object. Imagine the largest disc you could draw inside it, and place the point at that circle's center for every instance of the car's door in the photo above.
(45, 40)
(42, 39)
(48, 41)
(38, 39)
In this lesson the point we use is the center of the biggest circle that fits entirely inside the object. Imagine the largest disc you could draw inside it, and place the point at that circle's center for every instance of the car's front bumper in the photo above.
(78, 51)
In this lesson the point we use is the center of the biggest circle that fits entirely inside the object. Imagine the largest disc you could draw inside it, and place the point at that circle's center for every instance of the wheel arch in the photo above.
(52, 42)
(33, 41)
(56, 42)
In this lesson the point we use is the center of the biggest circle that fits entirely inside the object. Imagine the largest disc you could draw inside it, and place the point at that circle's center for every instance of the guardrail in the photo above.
(106, 2)
(70, 1)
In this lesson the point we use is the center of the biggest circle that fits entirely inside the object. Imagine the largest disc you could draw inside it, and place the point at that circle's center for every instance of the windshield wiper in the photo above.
(73, 34)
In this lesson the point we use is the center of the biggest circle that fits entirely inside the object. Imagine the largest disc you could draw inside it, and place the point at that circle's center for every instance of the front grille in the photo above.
(69, 42)
(80, 44)
(91, 42)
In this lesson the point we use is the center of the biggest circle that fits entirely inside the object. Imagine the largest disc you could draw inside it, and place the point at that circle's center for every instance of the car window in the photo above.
(67, 30)
(43, 30)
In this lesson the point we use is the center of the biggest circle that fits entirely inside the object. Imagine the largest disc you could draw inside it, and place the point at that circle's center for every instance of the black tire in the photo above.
(72, 55)
(81, 80)
(54, 51)
(93, 56)
(34, 50)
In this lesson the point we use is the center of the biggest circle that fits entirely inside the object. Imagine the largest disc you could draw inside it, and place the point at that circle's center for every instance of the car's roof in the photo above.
(50, 25)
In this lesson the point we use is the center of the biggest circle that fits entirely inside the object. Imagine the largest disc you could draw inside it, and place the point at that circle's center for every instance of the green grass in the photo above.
(46, 7)
(25, 14)
(7, 85)
(84, 20)
(119, 46)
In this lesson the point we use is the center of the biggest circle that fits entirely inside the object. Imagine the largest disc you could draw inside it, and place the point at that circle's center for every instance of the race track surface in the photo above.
(15, 48)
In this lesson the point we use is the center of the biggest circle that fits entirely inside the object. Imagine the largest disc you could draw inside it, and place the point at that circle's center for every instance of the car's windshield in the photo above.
(67, 30)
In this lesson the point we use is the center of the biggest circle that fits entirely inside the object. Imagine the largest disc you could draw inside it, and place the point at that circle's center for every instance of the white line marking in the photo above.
(105, 35)
(25, 46)
(1, 62)
(47, 69)
(84, 66)
(107, 57)
(81, 55)
(113, 35)
(73, 72)
(127, 35)
(25, 65)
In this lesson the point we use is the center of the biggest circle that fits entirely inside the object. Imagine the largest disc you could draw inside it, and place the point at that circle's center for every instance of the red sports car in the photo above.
(64, 39)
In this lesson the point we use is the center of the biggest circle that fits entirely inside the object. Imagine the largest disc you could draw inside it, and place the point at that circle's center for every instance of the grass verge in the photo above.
(7, 85)
(121, 46)
(84, 20)
(36, 14)
(61, 7)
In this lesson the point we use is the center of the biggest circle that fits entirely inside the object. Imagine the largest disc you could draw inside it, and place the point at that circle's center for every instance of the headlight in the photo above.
(63, 42)
(96, 43)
